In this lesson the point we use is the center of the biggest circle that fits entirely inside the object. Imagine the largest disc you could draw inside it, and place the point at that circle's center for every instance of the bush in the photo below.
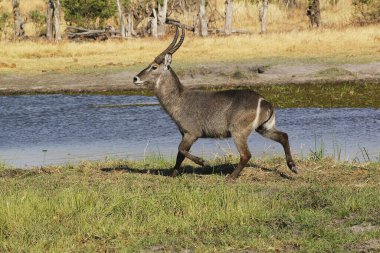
(38, 19)
(5, 19)
(366, 11)
(88, 13)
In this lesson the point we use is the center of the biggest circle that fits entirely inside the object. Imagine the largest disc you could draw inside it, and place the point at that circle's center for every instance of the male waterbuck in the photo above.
(205, 114)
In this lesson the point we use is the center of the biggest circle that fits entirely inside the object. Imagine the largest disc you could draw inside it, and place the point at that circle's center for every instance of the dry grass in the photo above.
(344, 45)
(288, 37)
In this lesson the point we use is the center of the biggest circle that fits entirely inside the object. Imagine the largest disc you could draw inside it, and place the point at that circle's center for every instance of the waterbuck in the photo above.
(205, 114)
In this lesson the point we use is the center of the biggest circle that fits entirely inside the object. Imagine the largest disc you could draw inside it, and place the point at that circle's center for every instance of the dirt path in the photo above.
(199, 76)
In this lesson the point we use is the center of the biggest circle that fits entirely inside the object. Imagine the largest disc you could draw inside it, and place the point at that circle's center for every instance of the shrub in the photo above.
(38, 19)
(5, 21)
(88, 13)
(366, 11)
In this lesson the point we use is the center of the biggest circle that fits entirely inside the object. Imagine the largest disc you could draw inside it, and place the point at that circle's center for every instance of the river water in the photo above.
(57, 129)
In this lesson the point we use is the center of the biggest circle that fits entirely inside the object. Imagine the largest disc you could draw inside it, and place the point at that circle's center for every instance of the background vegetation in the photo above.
(282, 16)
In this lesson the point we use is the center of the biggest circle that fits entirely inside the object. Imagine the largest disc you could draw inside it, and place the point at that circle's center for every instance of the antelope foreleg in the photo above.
(183, 151)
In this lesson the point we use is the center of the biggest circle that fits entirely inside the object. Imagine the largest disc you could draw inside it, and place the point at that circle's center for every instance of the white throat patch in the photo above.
(158, 82)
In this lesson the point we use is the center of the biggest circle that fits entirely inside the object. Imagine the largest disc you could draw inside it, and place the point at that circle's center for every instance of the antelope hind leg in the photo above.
(282, 138)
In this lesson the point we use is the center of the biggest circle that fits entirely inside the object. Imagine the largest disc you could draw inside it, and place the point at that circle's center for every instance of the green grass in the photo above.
(117, 206)
(334, 72)
(317, 95)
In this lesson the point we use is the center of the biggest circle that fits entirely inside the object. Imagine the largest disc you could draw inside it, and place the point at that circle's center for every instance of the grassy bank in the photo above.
(114, 206)
(310, 46)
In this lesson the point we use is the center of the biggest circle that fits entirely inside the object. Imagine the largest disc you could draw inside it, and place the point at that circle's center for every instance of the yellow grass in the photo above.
(344, 45)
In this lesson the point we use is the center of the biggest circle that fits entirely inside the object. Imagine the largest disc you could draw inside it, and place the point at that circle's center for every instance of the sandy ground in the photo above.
(199, 76)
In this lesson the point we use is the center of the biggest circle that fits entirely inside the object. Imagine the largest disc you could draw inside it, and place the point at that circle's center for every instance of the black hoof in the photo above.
(231, 178)
(293, 167)
(206, 164)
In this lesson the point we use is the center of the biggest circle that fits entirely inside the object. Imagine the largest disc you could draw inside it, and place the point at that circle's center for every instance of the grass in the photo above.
(310, 46)
(116, 206)
(328, 95)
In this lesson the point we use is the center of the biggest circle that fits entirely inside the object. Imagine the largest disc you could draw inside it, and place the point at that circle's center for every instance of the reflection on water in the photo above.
(52, 129)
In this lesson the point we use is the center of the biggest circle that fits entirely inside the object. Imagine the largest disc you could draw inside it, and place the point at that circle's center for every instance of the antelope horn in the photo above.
(161, 56)
(174, 49)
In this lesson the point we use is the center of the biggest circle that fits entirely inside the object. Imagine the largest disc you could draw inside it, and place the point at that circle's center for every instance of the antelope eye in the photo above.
(154, 67)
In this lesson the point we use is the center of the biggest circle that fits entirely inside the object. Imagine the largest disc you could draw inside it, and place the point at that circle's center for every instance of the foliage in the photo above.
(88, 13)
(366, 11)
(5, 21)
(38, 18)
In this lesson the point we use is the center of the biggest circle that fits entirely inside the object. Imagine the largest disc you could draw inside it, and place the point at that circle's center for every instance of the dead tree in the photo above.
(123, 29)
(19, 23)
(78, 33)
(229, 16)
(153, 24)
(202, 18)
(53, 20)
(130, 30)
(314, 13)
(162, 10)
(263, 16)
(290, 4)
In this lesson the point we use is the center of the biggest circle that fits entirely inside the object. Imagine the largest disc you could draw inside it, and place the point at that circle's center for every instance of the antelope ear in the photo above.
(168, 61)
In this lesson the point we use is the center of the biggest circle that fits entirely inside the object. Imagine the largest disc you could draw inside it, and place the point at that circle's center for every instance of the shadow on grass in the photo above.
(222, 169)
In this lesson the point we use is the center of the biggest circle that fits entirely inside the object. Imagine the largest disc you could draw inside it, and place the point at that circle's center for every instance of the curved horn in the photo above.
(161, 56)
(174, 49)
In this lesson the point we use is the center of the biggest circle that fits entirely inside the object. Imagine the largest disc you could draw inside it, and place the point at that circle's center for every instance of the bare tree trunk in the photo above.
(229, 16)
(19, 23)
(202, 19)
(129, 29)
(153, 24)
(57, 20)
(314, 13)
(162, 11)
(123, 30)
(53, 20)
(264, 17)
(49, 20)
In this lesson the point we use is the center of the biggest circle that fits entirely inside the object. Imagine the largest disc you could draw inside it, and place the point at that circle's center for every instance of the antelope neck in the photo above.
(169, 91)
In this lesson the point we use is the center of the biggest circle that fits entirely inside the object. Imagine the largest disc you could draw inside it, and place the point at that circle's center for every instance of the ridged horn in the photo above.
(160, 58)
(174, 49)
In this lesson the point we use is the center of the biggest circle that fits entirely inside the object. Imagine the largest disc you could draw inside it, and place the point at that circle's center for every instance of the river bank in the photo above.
(318, 80)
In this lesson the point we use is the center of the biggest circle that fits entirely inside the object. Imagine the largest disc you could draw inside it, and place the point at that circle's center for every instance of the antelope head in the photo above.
(151, 74)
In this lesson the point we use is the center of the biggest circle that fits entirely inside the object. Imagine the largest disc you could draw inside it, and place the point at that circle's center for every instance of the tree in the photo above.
(202, 18)
(88, 13)
(53, 20)
(162, 9)
(290, 4)
(314, 13)
(229, 16)
(123, 29)
(366, 11)
(19, 23)
(5, 22)
(153, 24)
(263, 16)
